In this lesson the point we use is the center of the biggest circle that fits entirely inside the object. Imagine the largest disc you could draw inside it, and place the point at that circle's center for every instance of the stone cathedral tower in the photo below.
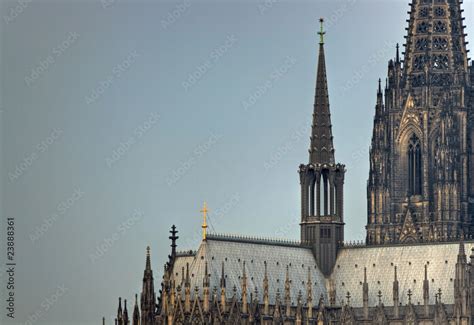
(322, 180)
(419, 187)
(418, 190)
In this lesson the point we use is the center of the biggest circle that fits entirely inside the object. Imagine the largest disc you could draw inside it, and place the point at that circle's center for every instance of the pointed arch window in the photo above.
(414, 166)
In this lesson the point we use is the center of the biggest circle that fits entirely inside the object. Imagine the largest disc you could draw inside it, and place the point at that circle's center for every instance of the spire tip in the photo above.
(321, 31)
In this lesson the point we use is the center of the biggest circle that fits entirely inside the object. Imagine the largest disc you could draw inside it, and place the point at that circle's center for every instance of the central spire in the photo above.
(322, 149)
(322, 180)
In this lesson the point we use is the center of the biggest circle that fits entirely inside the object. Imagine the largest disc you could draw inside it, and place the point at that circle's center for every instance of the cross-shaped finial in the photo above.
(321, 31)
(409, 295)
(173, 238)
(204, 222)
(439, 294)
(380, 296)
(348, 296)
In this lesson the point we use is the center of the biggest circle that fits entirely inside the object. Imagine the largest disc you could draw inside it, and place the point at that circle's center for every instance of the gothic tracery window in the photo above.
(420, 61)
(421, 44)
(424, 12)
(414, 166)
(418, 80)
(440, 43)
(439, 12)
(440, 62)
(441, 79)
(440, 27)
(422, 27)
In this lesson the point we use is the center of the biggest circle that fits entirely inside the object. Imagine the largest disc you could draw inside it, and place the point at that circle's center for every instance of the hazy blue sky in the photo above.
(118, 121)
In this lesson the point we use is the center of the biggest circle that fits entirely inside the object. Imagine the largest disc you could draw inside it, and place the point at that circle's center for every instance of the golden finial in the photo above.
(321, 32)
(204, 222)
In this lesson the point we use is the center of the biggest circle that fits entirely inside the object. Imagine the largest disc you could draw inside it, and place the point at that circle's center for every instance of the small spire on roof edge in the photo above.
(222, 276)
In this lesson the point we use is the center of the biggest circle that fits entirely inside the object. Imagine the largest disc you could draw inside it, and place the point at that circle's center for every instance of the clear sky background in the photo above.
(119, 121)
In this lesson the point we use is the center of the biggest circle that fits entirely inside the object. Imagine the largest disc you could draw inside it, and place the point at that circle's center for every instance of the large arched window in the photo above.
(414, 166)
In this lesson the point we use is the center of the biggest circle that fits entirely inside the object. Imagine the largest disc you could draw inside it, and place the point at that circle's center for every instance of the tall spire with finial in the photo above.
(148, 297)
(119, 310)
(461, 276)
(204, 221)
(322, 180)
(125, 313)
(136, 312)
(322, 149)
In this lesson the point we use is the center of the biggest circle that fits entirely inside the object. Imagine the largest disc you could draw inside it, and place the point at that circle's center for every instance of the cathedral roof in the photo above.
(410, 260)
(347, 276)
(255, 253)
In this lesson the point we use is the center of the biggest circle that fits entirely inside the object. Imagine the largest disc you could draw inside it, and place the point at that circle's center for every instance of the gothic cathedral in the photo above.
(419, 188)
(412, 269)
